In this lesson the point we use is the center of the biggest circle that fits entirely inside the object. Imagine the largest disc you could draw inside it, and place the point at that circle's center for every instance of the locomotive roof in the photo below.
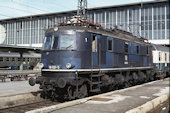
(116, 33)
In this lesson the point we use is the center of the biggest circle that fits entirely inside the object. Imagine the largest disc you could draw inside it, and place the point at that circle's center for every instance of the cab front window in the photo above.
(48, 42)
(67, 42)
(60, 41)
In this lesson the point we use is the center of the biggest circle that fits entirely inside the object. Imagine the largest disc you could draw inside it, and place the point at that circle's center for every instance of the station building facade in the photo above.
(150, 20)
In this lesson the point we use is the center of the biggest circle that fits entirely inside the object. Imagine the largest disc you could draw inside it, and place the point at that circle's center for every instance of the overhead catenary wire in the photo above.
(51, 4)
(26, 11)
(5, 15)
(30, 6)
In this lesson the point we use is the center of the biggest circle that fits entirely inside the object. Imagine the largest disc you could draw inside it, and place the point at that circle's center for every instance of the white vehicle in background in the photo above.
(161, 60)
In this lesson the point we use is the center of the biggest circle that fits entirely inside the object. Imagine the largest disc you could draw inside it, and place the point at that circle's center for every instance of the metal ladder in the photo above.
(95, 83)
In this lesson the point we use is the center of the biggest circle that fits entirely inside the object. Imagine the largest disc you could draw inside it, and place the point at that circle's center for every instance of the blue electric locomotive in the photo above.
(79, 58)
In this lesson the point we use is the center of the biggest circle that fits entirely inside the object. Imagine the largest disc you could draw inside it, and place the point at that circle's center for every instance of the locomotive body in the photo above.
(90, 50)
(79, 60)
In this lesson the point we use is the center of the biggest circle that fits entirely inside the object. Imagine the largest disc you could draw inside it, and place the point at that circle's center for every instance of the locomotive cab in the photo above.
(66, 49)
(64, 52)
(57, 49)
(69, 49)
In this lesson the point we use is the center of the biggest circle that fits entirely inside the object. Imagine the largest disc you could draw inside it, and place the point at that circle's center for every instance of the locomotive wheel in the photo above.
(82, 91)
(71, 92)
(135, 78)
(142, 77)
(54, 96)
(119, 79)
(126, 84)
(152, 76)
(109, 88)
(43, 94)
(46, 94)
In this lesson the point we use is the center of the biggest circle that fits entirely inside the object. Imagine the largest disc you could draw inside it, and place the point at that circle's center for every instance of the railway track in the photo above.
(28, 107)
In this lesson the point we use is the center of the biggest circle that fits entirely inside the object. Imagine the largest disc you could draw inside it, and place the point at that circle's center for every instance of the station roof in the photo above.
(74, 11)
(20, 49)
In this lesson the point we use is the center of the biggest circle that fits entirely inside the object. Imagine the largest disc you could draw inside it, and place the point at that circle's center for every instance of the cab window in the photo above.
(47, 42)
(67, 42)
(94, 43)
(126, 47)
(110, 45)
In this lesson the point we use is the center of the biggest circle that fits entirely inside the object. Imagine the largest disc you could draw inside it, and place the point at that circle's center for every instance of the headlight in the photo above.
(68, 65)
(41, 65)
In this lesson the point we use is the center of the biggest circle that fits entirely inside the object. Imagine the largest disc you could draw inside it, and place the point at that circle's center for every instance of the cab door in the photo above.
(96, 51)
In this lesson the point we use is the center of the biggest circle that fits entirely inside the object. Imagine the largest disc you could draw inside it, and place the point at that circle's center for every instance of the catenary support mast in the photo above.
(82, 9)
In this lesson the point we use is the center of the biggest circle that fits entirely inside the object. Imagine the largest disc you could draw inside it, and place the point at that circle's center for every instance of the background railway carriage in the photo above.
(161, 60)
(12, 61)
(77, 60)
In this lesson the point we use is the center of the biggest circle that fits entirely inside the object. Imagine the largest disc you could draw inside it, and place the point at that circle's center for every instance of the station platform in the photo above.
(120, 101)
(9, 88)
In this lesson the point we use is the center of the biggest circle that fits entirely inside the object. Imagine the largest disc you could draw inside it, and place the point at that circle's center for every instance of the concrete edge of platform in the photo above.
(149, 106)
(80, 101)
(15, 100)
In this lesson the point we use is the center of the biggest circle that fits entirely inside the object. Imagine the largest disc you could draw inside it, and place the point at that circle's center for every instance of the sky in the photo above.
(19, 8)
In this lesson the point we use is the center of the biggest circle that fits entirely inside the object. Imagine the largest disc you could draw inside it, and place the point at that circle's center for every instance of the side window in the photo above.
(7, 59)
(110, 45)
(94, 44)
(165, 57)
(18, 59)
(137, 49)
(159, 56)
(147, 51)
(13, 59)
(126, 47)
(1, 59)
(48, 42)
(29, 59)
(55, 42)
